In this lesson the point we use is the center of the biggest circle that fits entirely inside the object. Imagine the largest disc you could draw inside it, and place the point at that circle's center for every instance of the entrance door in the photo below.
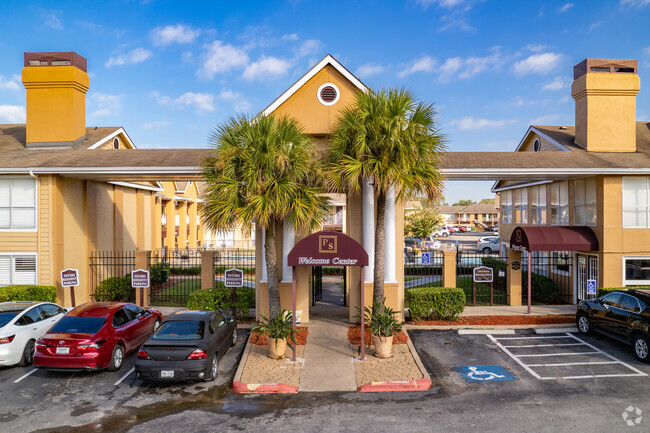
(316, 284)
(587, 269)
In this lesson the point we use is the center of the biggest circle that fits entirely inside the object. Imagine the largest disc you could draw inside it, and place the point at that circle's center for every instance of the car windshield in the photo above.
(180, 330)
(78, 325)
(6, 317)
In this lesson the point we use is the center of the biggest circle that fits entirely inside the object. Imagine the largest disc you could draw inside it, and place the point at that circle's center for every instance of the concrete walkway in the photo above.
(328, 363)
(507, 310)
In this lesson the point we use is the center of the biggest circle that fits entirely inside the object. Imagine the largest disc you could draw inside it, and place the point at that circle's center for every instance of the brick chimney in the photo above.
(56, 86)
(605, 94)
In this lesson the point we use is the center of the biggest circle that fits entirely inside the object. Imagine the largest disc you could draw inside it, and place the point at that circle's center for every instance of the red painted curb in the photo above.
(263, 388)
(394, 386)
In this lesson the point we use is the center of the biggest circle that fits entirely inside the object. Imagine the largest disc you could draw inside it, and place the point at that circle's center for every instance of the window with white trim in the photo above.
(559, 202)
(17, 204)
(637, 271)
(636, 212)
(506, 207)
(538, 204)
(17, 269)
(584, 202)
(521, 206)
(561, 262)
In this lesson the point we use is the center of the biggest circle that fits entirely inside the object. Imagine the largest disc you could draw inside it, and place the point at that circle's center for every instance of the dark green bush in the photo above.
(28, 293)
(544, 289)
(605, 290)
(115, 289)
(221, 300)
(445, 303)
(333, 270)
(159, 273)
(422, 270)
(185, 270)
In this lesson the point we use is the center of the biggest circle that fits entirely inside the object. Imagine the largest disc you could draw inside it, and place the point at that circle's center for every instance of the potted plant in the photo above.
(383, 325)
(279, 330)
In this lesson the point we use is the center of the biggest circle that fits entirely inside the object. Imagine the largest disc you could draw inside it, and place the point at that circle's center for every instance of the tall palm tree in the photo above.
(391, 139)
(263, 171)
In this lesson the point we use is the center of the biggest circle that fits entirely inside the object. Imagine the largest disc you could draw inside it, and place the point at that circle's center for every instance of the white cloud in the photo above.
(556, 84)
(154, 124)
(594, 26)
(444, 3)
(266, 66)
(449, 68)
(201, 102)
(565, 8)
(423, 64)
(290, 37)
(309, 47)
(470, 123)
(546, 119)
(11, 84)
(178, 34)
(138, 55)
(12, 114)
(646, 51)
(52, 20)
(240, 104)
(635, 3)
(535, 48)
(369, 69)
(476, 65)
(104, 104)
(221, 58)
(537, 64)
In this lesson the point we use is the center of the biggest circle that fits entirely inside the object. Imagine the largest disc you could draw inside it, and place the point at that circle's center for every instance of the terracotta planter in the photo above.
(277, 347)
(383, 346)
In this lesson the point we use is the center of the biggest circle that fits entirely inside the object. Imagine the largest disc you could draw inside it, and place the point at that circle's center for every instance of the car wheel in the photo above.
(641, 345)
(156, 325)
(117, 358)
(234, 337)
(584, 324)
(487, 250)
(28, 354)
(212, 370)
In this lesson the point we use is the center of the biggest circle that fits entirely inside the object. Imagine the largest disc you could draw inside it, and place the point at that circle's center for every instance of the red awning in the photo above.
(554, 238)
(328, 248)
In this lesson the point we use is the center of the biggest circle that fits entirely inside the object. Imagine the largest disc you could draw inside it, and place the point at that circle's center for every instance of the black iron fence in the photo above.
(110, 275)
(174, 275)
(423, 269)
(551, 277)
(486, 293)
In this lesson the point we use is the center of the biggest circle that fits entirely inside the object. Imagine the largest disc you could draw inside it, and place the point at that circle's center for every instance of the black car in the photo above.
(620, 314)
(187, 346)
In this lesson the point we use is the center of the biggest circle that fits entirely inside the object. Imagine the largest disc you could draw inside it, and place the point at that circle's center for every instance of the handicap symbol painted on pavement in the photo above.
(425, 259)
(484, 373)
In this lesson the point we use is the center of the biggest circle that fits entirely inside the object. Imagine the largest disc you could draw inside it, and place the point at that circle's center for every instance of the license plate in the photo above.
(62, 350)
(166, 373)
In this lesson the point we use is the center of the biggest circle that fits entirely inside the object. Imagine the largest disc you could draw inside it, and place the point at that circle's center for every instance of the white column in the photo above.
(389, 237)
(264, 276)
(288, 242)
(368, 233)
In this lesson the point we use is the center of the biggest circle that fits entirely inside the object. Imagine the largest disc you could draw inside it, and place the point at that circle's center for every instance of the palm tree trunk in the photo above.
(273, 282)
(378, 290)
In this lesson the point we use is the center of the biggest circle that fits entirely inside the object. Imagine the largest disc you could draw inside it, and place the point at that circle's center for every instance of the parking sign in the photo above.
(426, 259)
(591, 287)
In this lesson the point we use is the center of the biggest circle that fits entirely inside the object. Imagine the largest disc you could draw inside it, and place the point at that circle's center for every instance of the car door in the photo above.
(221, 327)
(623, 316)
(53, 313)
(143, 323)
(125, 330)
(602, 309)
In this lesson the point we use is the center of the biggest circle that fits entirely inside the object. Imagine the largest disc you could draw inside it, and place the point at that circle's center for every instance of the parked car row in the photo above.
(95, 336)
(488, 244)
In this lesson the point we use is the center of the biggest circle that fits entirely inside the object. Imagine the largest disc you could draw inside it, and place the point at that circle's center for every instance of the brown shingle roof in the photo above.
(13, 137)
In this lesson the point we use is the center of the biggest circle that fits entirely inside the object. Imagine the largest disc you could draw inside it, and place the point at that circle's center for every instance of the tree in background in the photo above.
(464, 203)
(263, 171)
(421, 222)
(487, 201)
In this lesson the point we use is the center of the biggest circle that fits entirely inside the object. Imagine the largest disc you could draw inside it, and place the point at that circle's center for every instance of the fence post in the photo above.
(142, 261)
(207, 270)
(514, 277)
(449, 268)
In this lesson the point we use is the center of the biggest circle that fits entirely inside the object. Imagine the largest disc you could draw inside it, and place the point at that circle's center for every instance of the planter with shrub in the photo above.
(220, 299)
(383, 325)
(279, 331)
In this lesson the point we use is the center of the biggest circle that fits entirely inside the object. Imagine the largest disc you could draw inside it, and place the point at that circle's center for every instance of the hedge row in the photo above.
(28, 293)
(605, 290)
(115, 289)
(189, 270)
(430, 303)
(544, 288)
(221, 300)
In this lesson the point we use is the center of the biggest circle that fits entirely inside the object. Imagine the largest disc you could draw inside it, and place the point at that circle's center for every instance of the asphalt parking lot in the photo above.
(79, 398)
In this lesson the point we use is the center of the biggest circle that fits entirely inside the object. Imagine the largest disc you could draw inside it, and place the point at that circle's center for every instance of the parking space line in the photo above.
(557, 354)
(24, 375)
(131, 371)
(565, 364)
(640, 373)
(532, 338)
(548, 345)
(528, 369)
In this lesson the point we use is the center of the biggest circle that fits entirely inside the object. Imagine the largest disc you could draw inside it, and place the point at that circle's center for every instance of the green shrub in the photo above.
(605, 290)
(333, 270)
(115, 289)
(423, 270)
(221, 300)
(544, 288)
(185, 270)
(443, 303)
(159, 273)
(219, 270)
(28, 292)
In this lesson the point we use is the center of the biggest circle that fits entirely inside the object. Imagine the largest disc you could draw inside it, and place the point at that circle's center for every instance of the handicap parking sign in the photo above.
(426, 259)
(484, 373)
(591, 287)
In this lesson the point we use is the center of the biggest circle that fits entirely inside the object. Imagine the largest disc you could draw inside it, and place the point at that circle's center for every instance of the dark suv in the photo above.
(621, 314)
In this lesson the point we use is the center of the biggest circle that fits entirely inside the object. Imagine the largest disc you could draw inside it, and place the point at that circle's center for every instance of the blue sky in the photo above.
(170, 71)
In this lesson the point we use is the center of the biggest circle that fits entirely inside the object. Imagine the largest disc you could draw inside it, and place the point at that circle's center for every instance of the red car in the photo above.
(95, 336)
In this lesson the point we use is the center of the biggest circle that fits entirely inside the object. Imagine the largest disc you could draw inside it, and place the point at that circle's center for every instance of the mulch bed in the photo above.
(550, 319)
(301, 337)
(354, 336)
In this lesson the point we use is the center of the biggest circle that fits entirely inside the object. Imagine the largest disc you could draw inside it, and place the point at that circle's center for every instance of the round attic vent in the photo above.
(537, 146)
(328, 94)
(116, 143)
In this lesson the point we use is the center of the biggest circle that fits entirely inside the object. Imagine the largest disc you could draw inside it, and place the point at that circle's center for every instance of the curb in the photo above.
(452, 327)
(257, 388)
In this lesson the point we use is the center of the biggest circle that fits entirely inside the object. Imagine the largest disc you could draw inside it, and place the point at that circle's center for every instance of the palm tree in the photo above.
(391, 139)
(264, 171)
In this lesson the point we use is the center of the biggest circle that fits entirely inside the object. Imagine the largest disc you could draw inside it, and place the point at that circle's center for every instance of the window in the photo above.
(635, 202)
(561, 262)
(120, 318)
(637, 271)
(18, 204)
(506, 207)
(521, 206)
(538, 204)
(559, 203)
(584, 202)
(630, 303)
(17, 269)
